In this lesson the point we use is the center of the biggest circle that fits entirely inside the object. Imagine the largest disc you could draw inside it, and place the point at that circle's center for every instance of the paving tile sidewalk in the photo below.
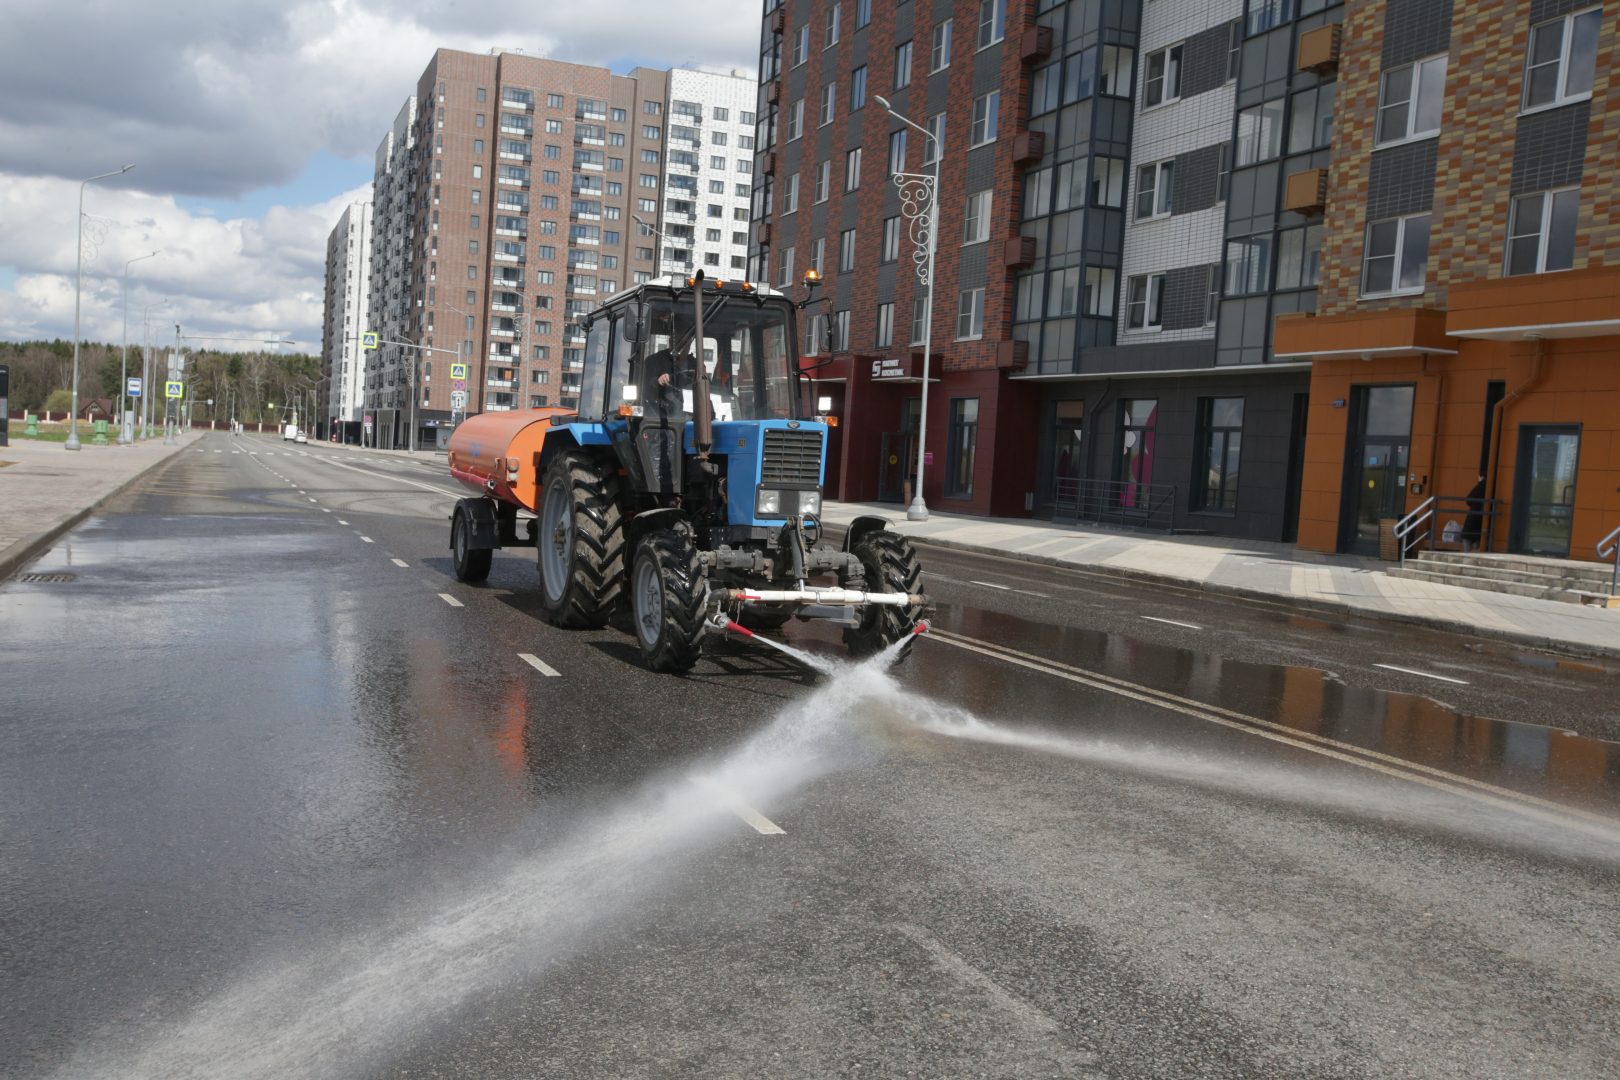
(1330, 584)
(45, 489)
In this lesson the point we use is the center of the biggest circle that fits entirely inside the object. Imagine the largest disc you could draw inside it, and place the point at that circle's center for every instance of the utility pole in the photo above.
(78, 289)
(125, 436)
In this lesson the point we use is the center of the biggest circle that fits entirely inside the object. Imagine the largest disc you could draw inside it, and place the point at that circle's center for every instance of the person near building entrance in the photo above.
(1473, 524)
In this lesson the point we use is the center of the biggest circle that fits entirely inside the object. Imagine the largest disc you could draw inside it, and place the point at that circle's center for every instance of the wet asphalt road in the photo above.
(270, 805)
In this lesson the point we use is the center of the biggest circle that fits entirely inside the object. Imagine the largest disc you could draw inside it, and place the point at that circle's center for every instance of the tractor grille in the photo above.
(792, 459)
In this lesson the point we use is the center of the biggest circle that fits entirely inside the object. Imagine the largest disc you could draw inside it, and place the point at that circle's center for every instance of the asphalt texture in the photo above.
(271, 806)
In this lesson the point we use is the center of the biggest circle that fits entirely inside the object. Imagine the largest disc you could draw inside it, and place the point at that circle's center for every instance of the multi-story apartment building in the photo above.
(348, 272)
(1468, 319)
(507, 197)
(708, 179)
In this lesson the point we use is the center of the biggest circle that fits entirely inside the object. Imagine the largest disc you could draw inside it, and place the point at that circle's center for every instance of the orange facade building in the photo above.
(1468, 316)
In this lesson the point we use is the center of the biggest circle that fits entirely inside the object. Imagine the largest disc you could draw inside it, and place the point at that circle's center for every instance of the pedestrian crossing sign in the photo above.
(368, 341)
(458, 371)
(172, 389)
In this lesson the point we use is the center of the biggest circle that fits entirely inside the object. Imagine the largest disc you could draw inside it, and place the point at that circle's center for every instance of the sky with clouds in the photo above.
(251, 123)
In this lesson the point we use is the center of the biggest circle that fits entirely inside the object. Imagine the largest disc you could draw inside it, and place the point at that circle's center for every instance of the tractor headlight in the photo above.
(809, 502)
(768, 503)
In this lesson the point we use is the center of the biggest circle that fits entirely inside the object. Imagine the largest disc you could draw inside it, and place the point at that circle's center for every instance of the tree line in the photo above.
(42, 376)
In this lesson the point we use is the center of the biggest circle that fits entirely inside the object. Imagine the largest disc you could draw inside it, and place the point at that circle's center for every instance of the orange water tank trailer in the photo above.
(498, 453)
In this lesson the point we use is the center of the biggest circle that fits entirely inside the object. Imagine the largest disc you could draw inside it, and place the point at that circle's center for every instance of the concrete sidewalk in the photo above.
(1328, 584)
(45, 489)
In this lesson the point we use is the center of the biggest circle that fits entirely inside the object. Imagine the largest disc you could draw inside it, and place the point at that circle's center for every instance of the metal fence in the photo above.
(1115, 502)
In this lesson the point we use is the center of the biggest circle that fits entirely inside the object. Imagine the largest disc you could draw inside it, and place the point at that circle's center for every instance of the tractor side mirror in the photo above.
(826, 331)
(635, 325)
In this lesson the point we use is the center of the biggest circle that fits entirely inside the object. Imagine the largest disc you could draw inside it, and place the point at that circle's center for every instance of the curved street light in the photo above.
(78, 289)
(125, 435)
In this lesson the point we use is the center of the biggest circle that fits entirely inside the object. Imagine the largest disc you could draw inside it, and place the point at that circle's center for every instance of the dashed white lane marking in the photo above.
(1424, 674)
(991, 585)
(367, 539)
(539, 665)
(401, 562)
(314, 500)
(452, 601)
(342, 522)
(734, 802)
(401, 479)
(1173, 622)
(324, 510)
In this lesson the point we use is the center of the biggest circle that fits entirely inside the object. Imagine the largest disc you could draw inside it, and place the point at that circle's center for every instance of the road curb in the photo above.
(1321, 607)
(21, 553)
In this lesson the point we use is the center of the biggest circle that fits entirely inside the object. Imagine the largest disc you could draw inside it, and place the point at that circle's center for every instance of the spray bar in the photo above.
(812, 595)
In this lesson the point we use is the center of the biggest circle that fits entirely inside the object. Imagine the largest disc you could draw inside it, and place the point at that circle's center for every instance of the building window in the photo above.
(1163, 82)
(1558, 67)
(1153, 185)
(1101, 287)
(1138, 418)
(818, 256)
(831, 37)
(976, 218)
(801, 45)
(891, 240)
(846, 251)
(1144, 305)
(939, 57)
(970, 314)
(823, 180)
(1063, 292)
(992, 22)
(919, 319)
(885, 326)
(829, 103)
(902, 65)
(1248, 264)
(857, 88)
(790, 194)
(897, 151)
(1114, 71)
(1396, 256)
(1220, 447)
(785, 269)
(852, 169)
(935, 140)
(1212, 294)
(1541, 232)
(795, 120)
(1259, 132)
(1299, 257)
(1108, 182)
(985, 110)
(1410, 100)
(961, 441)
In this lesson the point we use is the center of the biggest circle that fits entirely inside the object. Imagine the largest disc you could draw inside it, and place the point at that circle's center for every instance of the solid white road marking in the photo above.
(991, 585)
(452, 601)
(1424, 674)
(400, 562)
(1172, 622)
(401, 479)
(734, 802)
(539, 665)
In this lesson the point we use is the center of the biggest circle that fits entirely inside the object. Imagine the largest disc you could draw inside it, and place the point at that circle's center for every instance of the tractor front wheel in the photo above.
(581, 541)
(668, 593)
(891, 566)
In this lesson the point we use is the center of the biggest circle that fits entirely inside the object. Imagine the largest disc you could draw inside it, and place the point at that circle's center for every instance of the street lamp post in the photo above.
(919, 202)
(148, 369)
(410, 443)
(78, 289)
(125, 435)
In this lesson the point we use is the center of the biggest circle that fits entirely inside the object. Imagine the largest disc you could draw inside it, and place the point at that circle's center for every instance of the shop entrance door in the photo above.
(1544, 489)
(897, 464)
(1380, 441)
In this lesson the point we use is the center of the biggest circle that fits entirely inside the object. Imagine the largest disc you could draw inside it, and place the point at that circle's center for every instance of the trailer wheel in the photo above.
(891, 566)
(581, 541)
(471, 564)
(668, 594)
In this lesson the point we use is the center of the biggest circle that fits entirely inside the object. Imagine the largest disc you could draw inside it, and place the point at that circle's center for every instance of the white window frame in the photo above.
(919, 319)
(898, 69)
(883, 338)
(846, 251)
(889, 250)
(1163, 183)
(1400, 246)
(830, 38)
(939, 49)
(795, 120)
(897, 151)
(801, 45)
(1424, 73)
(818, 256)
(973, 312)
(1562, 96)
(986, 122)
(1169, 82)
(852, 169)
(1151, 305)
(823, 181)
(790, 195)
(829, 104)
(931, 147)
(1543, 231)
(992, 22)
(976, 218)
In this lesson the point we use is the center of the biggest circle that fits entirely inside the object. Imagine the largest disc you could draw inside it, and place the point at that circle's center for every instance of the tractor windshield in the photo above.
(747, 351)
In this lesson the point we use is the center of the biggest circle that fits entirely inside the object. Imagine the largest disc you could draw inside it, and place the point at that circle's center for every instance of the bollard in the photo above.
(31, 428)
(101, 434)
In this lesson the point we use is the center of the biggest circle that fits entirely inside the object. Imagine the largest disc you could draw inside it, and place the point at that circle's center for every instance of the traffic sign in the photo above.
(133, 387)
(458, 371)
(173, 389)
(369, 340)
(458, 399)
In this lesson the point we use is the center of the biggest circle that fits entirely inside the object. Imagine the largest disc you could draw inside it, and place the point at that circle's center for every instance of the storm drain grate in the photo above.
(47, 579)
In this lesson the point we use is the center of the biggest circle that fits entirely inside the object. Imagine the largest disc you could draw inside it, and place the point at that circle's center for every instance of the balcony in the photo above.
(504, 307)
(589, 241)
(520, 234)
(590, 166)
(587, 114)
(503, 384)
(586, 140)
(519, 106)
(510, 182)
(513, 129)
(507, 155)
(583, 215)
(501, 256)
(496, 331)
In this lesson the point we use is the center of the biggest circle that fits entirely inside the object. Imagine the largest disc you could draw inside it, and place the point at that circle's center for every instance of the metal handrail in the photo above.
(1609, 547)
(1422, 515)
(1406, 530)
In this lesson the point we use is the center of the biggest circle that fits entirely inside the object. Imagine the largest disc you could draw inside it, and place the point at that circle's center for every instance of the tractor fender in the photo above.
(657, 518)
(861, 528)
(482, 525)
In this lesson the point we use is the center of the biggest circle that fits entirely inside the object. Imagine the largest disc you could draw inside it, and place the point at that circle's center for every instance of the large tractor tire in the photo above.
(668, 594)
(891, 566)
(471, 564)
(581, 541)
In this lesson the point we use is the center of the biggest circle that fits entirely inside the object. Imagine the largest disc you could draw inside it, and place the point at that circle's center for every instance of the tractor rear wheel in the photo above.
(668, 593)
(891, 566)
(471, 564)
(581, 541)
